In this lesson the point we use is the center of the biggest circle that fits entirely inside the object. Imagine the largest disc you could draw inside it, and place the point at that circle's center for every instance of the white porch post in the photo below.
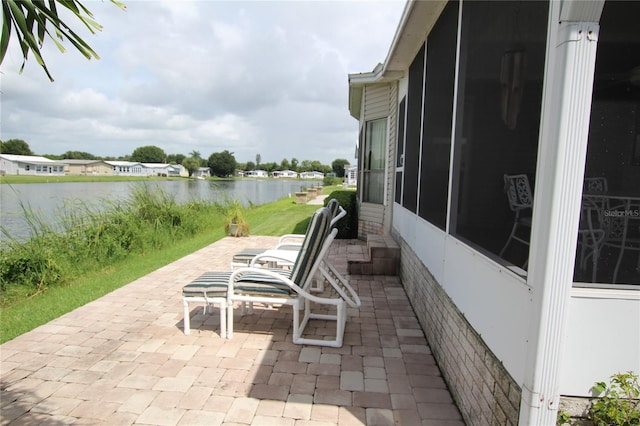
(571, 51)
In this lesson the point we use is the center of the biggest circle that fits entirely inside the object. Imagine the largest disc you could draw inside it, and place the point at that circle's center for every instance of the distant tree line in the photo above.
(221, 164)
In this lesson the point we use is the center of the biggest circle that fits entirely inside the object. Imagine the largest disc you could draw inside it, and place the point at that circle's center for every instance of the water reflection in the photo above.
(48, 201)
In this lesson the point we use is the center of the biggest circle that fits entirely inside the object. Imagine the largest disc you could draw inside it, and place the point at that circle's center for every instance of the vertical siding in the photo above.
(376, 101)
(380, 101)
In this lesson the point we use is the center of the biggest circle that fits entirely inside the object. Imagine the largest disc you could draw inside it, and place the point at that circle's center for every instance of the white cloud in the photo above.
(252, 77)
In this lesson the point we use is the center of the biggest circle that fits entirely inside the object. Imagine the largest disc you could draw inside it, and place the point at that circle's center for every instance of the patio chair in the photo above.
(590, 234)
(291, 242)
(520, 199)
(622, 231)
(285, 254)
(595, 185)
(271, 287)
(210, 288)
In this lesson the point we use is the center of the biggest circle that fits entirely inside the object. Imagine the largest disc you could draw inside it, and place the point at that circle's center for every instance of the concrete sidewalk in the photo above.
(318, 200)
(123, 359)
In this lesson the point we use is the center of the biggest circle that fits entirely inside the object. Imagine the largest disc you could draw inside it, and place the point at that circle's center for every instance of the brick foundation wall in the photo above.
(484, 391)
(368, 228)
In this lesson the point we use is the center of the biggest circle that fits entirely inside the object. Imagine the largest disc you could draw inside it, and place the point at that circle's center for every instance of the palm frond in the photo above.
(35, 21)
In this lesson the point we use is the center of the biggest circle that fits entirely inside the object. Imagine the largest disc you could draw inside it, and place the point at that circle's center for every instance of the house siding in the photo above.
(379, 102)
(482, 388)
(88, 169)
(11, 164)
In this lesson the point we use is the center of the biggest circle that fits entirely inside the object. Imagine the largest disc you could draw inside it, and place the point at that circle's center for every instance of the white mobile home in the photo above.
(202, 172)
(127, 168)
(256, 174)
(11, 164)
(284, 174)
(500, 147)
(351, 175)
(311, 175)
(166, 170)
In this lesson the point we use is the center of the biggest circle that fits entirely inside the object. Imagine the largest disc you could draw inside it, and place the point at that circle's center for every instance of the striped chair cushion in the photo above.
(215, 284)
(314, 238)
(264, 286)
(209, 284)
(333, 206)
(247, 255)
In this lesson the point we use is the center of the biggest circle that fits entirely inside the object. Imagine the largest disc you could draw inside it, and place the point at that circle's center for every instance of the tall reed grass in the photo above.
(90, 238)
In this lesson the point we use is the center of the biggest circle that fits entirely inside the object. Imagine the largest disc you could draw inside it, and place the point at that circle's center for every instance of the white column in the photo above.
(558, 192)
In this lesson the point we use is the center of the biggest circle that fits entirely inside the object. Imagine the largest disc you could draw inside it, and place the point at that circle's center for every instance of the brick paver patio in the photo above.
(123, 359)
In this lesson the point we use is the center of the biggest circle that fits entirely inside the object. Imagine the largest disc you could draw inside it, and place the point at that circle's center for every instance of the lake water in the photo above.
(47, 200)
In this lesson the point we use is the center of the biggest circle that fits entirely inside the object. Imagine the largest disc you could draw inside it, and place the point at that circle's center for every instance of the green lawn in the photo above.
(280, 217)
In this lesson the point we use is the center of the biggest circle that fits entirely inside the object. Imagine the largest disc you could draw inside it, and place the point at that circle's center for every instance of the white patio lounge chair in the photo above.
(279, 286)
(285, 254)
(291, 242)
(259, 285)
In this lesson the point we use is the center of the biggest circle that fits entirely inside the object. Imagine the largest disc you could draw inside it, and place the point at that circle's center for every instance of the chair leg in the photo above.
(594, 263)
(230, 320)
(511, 235)
(618, 263)
(186, 320)
(297, 327)
(340, 319)
(223, 319)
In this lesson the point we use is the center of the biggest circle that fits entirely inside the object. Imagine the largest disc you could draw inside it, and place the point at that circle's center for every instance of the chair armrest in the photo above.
(339, 216)
(295, 238)
(289, 246)
(340, 284)
(275, 279)
(282, 256)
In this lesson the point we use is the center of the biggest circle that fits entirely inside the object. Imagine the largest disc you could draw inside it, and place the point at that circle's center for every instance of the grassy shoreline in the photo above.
(277, 218)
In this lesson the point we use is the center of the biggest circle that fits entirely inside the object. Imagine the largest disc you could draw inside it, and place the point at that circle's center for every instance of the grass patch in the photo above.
(26, 314)
(130, 242)
(281, 217)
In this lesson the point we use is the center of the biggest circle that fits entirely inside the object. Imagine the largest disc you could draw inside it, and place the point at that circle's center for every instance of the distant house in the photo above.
(87, 168)
(351, 175)
(127, 168)
(11, 164)
(284, 174)
(256, 174)
(311, 175)
(202, 172)
(163, 169)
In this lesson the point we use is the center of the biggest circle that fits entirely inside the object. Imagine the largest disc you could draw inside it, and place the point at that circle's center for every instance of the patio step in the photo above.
(379, 256)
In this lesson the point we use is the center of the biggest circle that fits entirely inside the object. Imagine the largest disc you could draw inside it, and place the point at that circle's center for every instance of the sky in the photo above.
(259, 77)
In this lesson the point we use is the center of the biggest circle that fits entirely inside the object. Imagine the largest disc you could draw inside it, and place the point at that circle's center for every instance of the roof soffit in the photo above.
(417, 22)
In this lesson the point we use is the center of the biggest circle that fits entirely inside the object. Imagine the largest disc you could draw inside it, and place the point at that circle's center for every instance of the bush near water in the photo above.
(348, 225)
(93, 239)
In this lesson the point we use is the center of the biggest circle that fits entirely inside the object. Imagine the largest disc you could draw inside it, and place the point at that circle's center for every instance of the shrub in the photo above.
(348, 225)
(329, 181)
(619, 404)
(90, 238)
